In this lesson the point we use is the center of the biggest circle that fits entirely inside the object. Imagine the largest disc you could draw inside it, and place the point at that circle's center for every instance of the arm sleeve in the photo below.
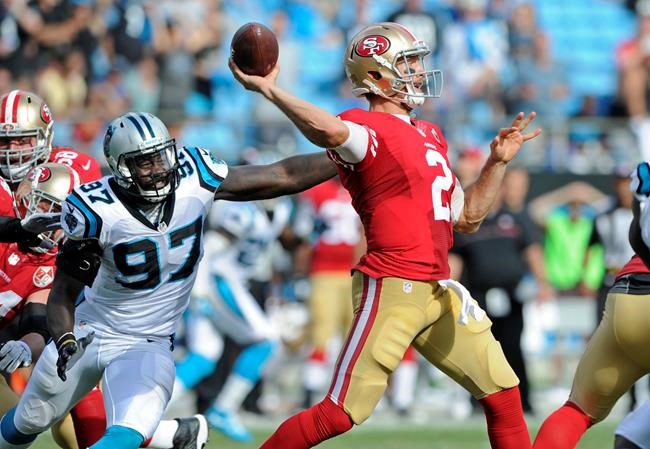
(355, 148)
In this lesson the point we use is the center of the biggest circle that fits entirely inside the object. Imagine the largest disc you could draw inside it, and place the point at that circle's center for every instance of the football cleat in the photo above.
(229, 424)
(192, 433)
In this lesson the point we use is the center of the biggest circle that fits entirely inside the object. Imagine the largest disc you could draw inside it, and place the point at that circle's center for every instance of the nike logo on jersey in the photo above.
(86, 166)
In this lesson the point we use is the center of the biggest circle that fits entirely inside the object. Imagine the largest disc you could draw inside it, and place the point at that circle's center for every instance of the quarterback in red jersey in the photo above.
(617, 354)
(397, 171)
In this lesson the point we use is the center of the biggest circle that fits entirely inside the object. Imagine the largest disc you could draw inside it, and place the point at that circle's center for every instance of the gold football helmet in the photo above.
(25, 133)
(44, 189)
(386, 59)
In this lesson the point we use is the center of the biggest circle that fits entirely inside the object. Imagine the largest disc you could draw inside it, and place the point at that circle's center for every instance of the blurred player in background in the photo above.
(397, 172)
(618, 353)
(240, 238)
(327, 220)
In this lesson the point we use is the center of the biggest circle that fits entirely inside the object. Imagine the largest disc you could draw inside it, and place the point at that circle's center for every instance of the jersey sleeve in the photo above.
(211, 171)
(360, 149)
(78, 220)
(85, 165)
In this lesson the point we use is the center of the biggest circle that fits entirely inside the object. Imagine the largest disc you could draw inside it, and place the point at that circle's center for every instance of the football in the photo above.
(254, 48)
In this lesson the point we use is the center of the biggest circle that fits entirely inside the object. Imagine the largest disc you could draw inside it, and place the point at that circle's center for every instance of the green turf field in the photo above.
(449, 436)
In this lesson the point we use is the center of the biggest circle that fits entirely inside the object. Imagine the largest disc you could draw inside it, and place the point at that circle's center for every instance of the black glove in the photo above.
(70, 350)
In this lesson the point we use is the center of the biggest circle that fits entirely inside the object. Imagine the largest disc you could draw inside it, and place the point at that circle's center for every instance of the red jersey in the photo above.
(402, 192)
(85, 165)
(6, 200)
(334, 248)
(21, 275)
(634, 265)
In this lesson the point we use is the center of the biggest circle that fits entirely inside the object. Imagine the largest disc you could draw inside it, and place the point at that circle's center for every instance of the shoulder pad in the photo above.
(211, 171)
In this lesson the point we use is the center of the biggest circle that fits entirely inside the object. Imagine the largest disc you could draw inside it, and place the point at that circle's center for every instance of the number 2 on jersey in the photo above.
(441, 184)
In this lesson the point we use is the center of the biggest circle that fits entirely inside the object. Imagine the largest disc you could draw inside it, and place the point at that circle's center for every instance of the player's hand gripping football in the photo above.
(505, 146)
(253, 82)
(70, 350)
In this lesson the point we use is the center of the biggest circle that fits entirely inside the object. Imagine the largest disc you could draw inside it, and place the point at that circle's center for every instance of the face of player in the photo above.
(412, 68)
(10, 147)
(152, 171)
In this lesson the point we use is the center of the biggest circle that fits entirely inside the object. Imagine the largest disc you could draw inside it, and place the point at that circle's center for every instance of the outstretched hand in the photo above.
(253, 82)
(505, 146)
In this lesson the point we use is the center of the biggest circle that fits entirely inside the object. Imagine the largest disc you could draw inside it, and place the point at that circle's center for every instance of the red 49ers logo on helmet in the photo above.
(46, 116)
(39, 174)
(372, 45)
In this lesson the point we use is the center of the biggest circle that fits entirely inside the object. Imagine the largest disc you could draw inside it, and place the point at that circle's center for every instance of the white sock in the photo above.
(233, 393)
(316, 375)
(163, 437)
(403, 385)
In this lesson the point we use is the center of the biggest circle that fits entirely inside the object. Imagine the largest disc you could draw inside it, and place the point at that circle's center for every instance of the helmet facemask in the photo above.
(413, 83)
(16, 162)
(38, 201)
(152, 173)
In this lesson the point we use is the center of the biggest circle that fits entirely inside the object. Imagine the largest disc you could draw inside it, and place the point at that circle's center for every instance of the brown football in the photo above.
(254, 48)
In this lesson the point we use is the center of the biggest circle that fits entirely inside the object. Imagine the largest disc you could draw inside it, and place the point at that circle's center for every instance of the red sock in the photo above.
(89, 418)
(563, 428)
(310, 427)
(505, 420)
(146, 442)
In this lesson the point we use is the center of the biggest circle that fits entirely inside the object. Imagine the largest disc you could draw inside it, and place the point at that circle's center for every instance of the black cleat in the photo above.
(192, 433)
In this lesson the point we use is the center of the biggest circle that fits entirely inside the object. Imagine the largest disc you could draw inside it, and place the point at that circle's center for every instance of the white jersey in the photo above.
(146, 273)
(255, 232)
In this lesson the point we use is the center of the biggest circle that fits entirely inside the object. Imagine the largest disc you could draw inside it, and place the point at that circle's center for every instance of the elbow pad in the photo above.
(80, 259)
(33, 318)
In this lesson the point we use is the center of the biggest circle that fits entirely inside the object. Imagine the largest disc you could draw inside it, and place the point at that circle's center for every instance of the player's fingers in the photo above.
(517, 119)
(527, 120)
(532, 135)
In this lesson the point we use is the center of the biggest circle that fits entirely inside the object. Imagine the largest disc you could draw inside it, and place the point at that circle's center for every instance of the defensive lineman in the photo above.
(134, 239)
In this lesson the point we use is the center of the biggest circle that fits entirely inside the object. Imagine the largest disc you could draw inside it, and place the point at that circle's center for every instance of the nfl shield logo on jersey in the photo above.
(43, 276)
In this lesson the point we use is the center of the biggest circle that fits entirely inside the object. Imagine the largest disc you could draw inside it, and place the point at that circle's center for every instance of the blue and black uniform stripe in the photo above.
(208, 179)
(93, 222)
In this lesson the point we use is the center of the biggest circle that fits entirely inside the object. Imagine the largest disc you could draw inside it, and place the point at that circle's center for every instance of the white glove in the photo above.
(41, 222)
(14, 354)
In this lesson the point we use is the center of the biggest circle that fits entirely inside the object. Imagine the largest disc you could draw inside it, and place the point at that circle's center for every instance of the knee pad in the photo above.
(119, 436)
(396, 337)
(500, 373)
(252, 360)
(194, 368)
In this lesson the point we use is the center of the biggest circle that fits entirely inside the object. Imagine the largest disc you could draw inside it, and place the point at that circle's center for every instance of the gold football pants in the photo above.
(617, 355)
(392, 313)
(329, 307)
